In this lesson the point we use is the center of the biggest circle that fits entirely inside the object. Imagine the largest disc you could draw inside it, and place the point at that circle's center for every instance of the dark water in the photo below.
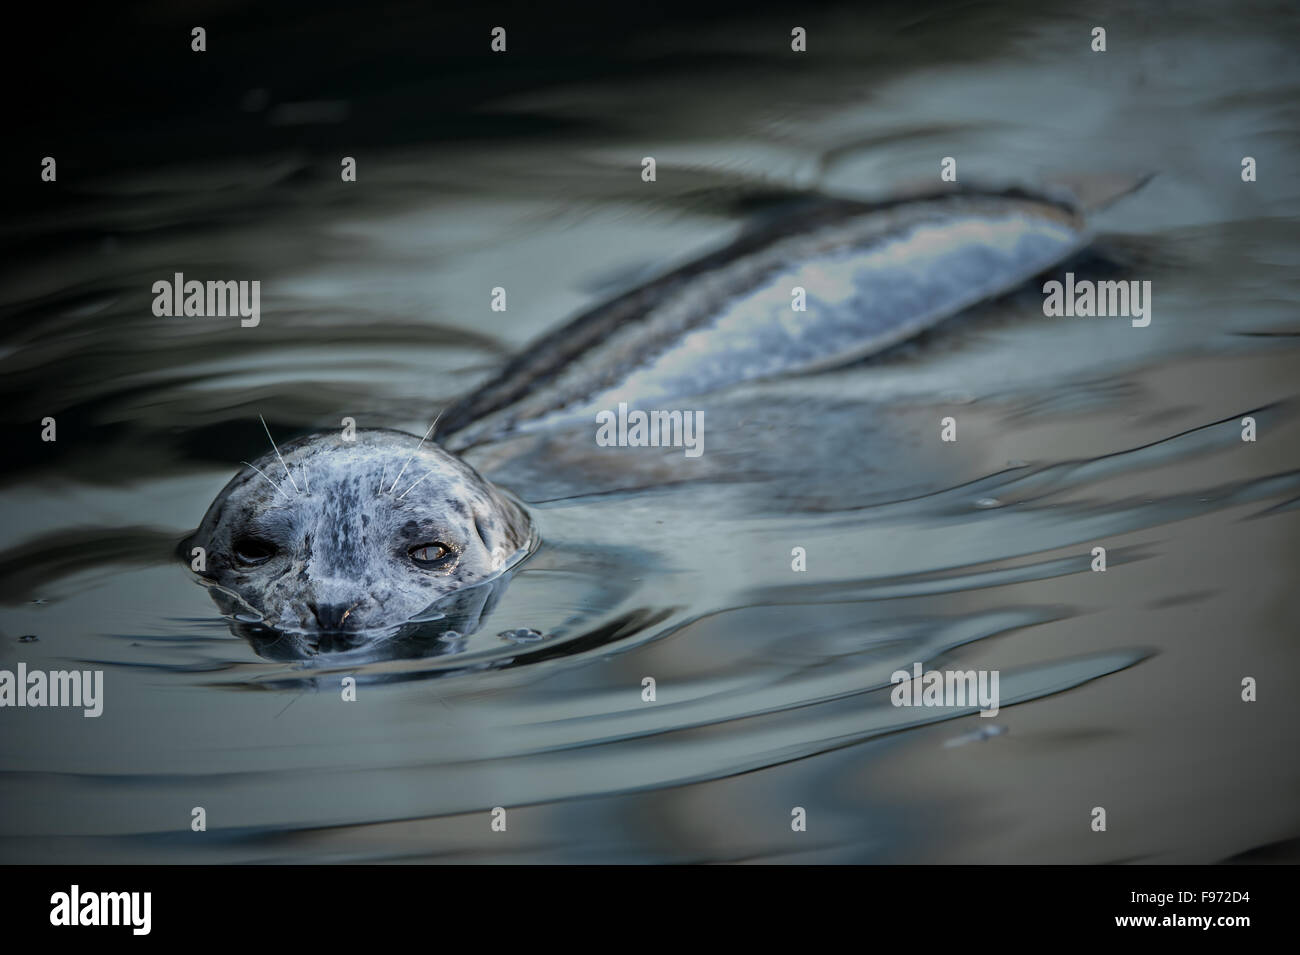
(1119, 689)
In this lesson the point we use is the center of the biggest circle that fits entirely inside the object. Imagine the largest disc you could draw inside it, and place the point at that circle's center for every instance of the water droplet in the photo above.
(521, 635)
(975, 736)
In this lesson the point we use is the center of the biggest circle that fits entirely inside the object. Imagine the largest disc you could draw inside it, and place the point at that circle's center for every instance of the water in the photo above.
(1119, 689)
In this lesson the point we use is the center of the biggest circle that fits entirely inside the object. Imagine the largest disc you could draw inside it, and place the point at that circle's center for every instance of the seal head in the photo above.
(355, 537)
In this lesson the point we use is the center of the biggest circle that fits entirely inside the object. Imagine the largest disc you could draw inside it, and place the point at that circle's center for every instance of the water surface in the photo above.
(1118, 689)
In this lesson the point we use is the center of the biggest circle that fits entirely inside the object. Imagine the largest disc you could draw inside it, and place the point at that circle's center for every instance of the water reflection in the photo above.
(444, 628)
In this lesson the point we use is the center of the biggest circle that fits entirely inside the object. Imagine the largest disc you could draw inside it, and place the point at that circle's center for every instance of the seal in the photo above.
(331, 536)
(338, 536)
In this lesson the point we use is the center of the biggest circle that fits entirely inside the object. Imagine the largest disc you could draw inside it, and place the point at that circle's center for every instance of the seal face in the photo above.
(360, 537)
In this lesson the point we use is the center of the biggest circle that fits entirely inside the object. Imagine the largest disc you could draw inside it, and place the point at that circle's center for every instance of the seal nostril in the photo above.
(330, 616)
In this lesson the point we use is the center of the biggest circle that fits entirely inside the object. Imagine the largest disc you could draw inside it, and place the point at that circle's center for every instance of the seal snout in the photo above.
(331, 617)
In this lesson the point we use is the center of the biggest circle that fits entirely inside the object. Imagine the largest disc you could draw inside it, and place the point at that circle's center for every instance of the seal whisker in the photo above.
(416, 451)
(417, 481)
(268, 480)
(291, 702)
(279, 455)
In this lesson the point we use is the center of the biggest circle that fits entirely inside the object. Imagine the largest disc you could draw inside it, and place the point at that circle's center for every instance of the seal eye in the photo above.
(428, 555)
(253, 550)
